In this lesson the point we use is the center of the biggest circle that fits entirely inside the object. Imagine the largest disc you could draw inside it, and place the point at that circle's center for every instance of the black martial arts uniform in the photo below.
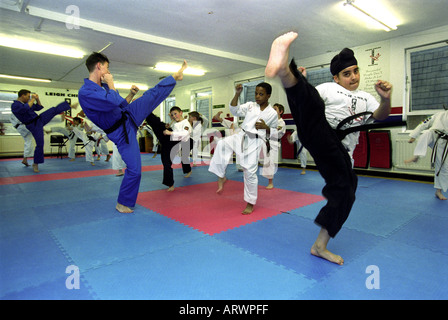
(331, 157)
(169, 148)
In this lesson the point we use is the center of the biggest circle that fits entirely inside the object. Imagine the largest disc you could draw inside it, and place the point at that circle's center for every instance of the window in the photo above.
(203, 102)
(318, 76)
(427, 78)
(6, 99)
(169, 103)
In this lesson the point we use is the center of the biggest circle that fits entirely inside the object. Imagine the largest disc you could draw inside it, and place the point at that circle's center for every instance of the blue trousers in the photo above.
(130, 152)
(37, 129)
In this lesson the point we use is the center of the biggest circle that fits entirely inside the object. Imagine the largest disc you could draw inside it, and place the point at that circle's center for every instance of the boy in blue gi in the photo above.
(119, 118)
(24, 109)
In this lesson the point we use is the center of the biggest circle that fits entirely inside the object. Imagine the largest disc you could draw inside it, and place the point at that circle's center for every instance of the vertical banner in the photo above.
(373, 62)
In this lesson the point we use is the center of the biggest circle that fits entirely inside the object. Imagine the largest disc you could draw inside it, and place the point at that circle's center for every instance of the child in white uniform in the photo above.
(435, 136)
(302, 153)
(260, 119)
(271, 155)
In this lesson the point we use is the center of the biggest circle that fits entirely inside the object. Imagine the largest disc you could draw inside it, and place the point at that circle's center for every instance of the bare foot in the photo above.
(92, 163)
(278, 57)
(25, 162)
(325, 254)
(170, 189)
(123, 209)
(270, 186)
(120, 173)
(303, 171)
(35, 167)
(249, 209)
(440, 195)
(221, 182)
(188, 174)
(319, 248)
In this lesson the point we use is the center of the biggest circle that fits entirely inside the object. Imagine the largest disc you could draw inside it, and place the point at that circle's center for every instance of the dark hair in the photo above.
(23, 92)
(196, 115)
(175, 108)
(77, 119)
(94, 58)
(266, 86)
(280, 107)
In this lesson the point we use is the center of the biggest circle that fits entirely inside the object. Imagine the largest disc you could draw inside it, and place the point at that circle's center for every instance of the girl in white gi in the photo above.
(199, 123)
(271, 155)
(433, 133)
(28, 149)
(303, 154)
(260, 120)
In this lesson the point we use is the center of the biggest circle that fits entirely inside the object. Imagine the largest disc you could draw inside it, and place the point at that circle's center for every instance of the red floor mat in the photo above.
(199, 206)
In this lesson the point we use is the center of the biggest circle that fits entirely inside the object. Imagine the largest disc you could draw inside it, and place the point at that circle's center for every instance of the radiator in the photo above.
(403, 150)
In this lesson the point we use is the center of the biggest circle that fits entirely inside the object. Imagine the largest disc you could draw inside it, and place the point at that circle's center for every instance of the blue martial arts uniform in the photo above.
(35, 123)
(120, 120)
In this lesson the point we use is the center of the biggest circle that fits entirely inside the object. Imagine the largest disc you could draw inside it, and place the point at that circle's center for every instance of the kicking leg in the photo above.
(278, 60)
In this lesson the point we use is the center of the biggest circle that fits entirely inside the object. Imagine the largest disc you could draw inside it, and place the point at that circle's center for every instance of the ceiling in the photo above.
(221, 37)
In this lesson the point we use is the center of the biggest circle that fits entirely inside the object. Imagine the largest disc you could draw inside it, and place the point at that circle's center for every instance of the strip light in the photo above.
(167, 67)
(42, 47)
(386, 26)
(6, 76)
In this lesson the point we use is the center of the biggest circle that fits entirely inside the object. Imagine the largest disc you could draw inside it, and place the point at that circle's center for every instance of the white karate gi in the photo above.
(245, 145)
(88, 144)
(428, 137)
(271, 158)
(198, 130)
(303, 155)
(341, 103)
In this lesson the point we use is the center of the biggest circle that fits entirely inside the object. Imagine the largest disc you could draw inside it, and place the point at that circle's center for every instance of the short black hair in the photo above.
(266, 86)
(23, 92)
(175, 108)
(94, 58)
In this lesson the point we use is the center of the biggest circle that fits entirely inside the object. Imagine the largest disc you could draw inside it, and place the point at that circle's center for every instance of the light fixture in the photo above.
(374, 13)
(169, 67)
(6, 76)
(42, 47)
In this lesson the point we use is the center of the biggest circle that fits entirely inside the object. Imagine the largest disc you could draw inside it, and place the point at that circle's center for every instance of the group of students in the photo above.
(316, 111)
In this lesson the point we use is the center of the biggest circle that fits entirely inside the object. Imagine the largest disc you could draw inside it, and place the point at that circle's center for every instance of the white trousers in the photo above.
(248, 152)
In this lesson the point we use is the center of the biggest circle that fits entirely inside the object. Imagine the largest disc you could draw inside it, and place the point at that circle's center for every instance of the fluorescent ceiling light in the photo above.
(42, 47)
(372, 12)
(23, 78)
(128, 86)
(168, 67)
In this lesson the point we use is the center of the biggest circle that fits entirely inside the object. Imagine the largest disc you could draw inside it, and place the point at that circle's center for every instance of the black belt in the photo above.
(377, 125)
(121, 122)
(444, 136)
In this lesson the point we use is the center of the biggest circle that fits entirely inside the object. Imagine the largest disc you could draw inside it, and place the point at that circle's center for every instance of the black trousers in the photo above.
(168, 147)
(331, 157)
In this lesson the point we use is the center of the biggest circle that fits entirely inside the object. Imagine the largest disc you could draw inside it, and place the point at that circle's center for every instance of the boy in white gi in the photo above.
(78, 129)
(260, 121)
(271, 155)
(435, 137)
